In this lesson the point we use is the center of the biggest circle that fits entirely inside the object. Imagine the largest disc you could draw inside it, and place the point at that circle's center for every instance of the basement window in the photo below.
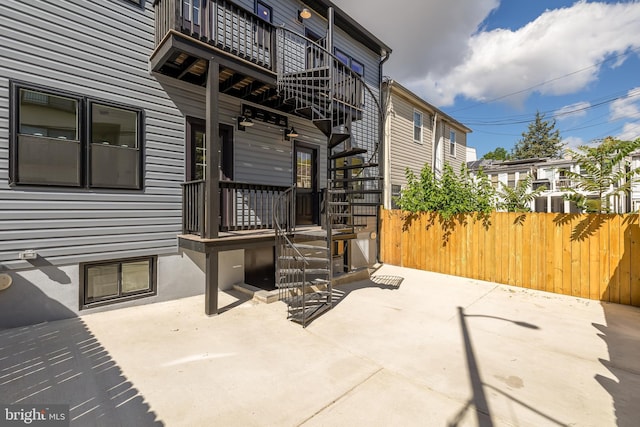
(115, 281)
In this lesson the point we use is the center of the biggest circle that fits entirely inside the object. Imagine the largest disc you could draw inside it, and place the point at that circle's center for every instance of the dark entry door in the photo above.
(306, 173)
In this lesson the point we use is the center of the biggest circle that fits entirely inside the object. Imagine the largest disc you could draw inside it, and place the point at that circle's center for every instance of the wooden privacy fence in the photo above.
(589, 256)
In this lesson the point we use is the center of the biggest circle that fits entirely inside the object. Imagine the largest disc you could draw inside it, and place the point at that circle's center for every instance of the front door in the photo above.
(306, 174)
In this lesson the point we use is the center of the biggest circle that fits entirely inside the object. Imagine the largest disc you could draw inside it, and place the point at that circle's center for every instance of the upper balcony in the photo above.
(258, 60)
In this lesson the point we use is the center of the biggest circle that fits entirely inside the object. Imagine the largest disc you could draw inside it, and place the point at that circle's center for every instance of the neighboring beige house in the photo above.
(417, 133)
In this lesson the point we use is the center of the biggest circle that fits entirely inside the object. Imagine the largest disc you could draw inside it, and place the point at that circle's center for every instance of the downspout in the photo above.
(384, 155)
(434, 136)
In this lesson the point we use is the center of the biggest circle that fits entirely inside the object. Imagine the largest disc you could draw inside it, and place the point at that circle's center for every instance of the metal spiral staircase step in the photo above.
(306, 258)
(348, 153)
(349, 167)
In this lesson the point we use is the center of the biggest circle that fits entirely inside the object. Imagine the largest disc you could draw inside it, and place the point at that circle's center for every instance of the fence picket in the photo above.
(589, 256)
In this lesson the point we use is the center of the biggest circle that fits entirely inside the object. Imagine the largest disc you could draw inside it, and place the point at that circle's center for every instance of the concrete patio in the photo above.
(434, 351)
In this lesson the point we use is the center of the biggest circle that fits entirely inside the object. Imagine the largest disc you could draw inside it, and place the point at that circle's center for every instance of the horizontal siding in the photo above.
(100, 50)
(261, 155)
(404, 151)
(460, 158)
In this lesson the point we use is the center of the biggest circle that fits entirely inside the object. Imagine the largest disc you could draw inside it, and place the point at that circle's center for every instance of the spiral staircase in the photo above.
(317, 86)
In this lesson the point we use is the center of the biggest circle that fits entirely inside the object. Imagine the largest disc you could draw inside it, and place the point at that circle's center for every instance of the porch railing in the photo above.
(193, 202)
(243, 206)
(219, 23)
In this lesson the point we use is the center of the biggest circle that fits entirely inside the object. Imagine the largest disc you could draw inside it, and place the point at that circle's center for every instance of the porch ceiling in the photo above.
(185, 60)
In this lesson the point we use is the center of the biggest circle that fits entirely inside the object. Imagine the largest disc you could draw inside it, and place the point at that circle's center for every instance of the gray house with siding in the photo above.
(106, 193)
(417, 134)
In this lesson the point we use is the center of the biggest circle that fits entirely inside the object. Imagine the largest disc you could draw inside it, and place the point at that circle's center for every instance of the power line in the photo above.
(597, 64)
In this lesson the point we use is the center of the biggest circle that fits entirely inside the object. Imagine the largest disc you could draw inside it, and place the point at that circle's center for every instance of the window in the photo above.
(191, 10)
(342, 57)
(396, 193)
(115, 146)
(113, 281)
(46, 143)
(64, 139)
(417, 126)
(356, 66)
(452, 143)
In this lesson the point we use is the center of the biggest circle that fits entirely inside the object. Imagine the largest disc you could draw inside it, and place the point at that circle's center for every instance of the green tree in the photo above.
(498, 154)
(450, 195)
(604, 172)
(519, 198)
(542, 139)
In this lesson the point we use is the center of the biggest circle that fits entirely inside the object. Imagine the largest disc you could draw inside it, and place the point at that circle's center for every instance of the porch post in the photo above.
(212, 157)
(212, 186)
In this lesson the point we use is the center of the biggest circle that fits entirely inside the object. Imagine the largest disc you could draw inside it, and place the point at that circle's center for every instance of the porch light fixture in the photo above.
(291, 133)
(305, 13)
(245, 121)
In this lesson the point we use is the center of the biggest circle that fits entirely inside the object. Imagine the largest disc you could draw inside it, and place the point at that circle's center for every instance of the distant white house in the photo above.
(552, 175)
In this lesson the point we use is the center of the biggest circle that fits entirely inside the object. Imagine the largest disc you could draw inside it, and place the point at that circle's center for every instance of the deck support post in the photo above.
(212, 186)
(211, 279)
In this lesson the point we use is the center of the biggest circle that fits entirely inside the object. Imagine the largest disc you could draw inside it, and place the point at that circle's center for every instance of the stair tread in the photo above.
(350, 191)
(347, 153)
(307, 270)
(311, 247)
(293, 285)
(338, 137)
(347, 167)
(358, 179)
(310, 259)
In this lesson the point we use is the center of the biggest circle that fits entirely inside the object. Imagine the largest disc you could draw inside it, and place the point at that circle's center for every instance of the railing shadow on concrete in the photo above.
(62, 362)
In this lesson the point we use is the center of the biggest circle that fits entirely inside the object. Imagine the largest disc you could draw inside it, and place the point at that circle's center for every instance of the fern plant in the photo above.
(604, 172)
(519, 198)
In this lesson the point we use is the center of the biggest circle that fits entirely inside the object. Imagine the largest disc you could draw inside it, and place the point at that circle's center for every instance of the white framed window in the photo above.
(417, 126)
(452, 143)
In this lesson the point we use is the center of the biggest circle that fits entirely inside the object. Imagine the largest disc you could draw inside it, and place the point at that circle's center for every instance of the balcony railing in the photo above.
(244, 34)
(219, 23)
(243, 206)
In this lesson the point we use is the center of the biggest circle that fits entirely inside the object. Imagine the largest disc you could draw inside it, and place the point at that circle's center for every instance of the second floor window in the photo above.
(452, 143)
(191, 10)
(417, 126)
(355, 65)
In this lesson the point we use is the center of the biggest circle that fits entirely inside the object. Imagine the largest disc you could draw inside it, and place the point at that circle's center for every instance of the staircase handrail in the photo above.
(353, 74)
(279, 230)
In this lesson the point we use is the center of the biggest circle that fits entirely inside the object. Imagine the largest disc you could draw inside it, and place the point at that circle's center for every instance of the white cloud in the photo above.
(630, 132)
(572, 142)
(579, 109)
(627, 107)
(440, 52)
(426, 35)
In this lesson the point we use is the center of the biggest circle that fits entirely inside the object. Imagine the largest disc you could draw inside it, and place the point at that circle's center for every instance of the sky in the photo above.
(491, 64)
